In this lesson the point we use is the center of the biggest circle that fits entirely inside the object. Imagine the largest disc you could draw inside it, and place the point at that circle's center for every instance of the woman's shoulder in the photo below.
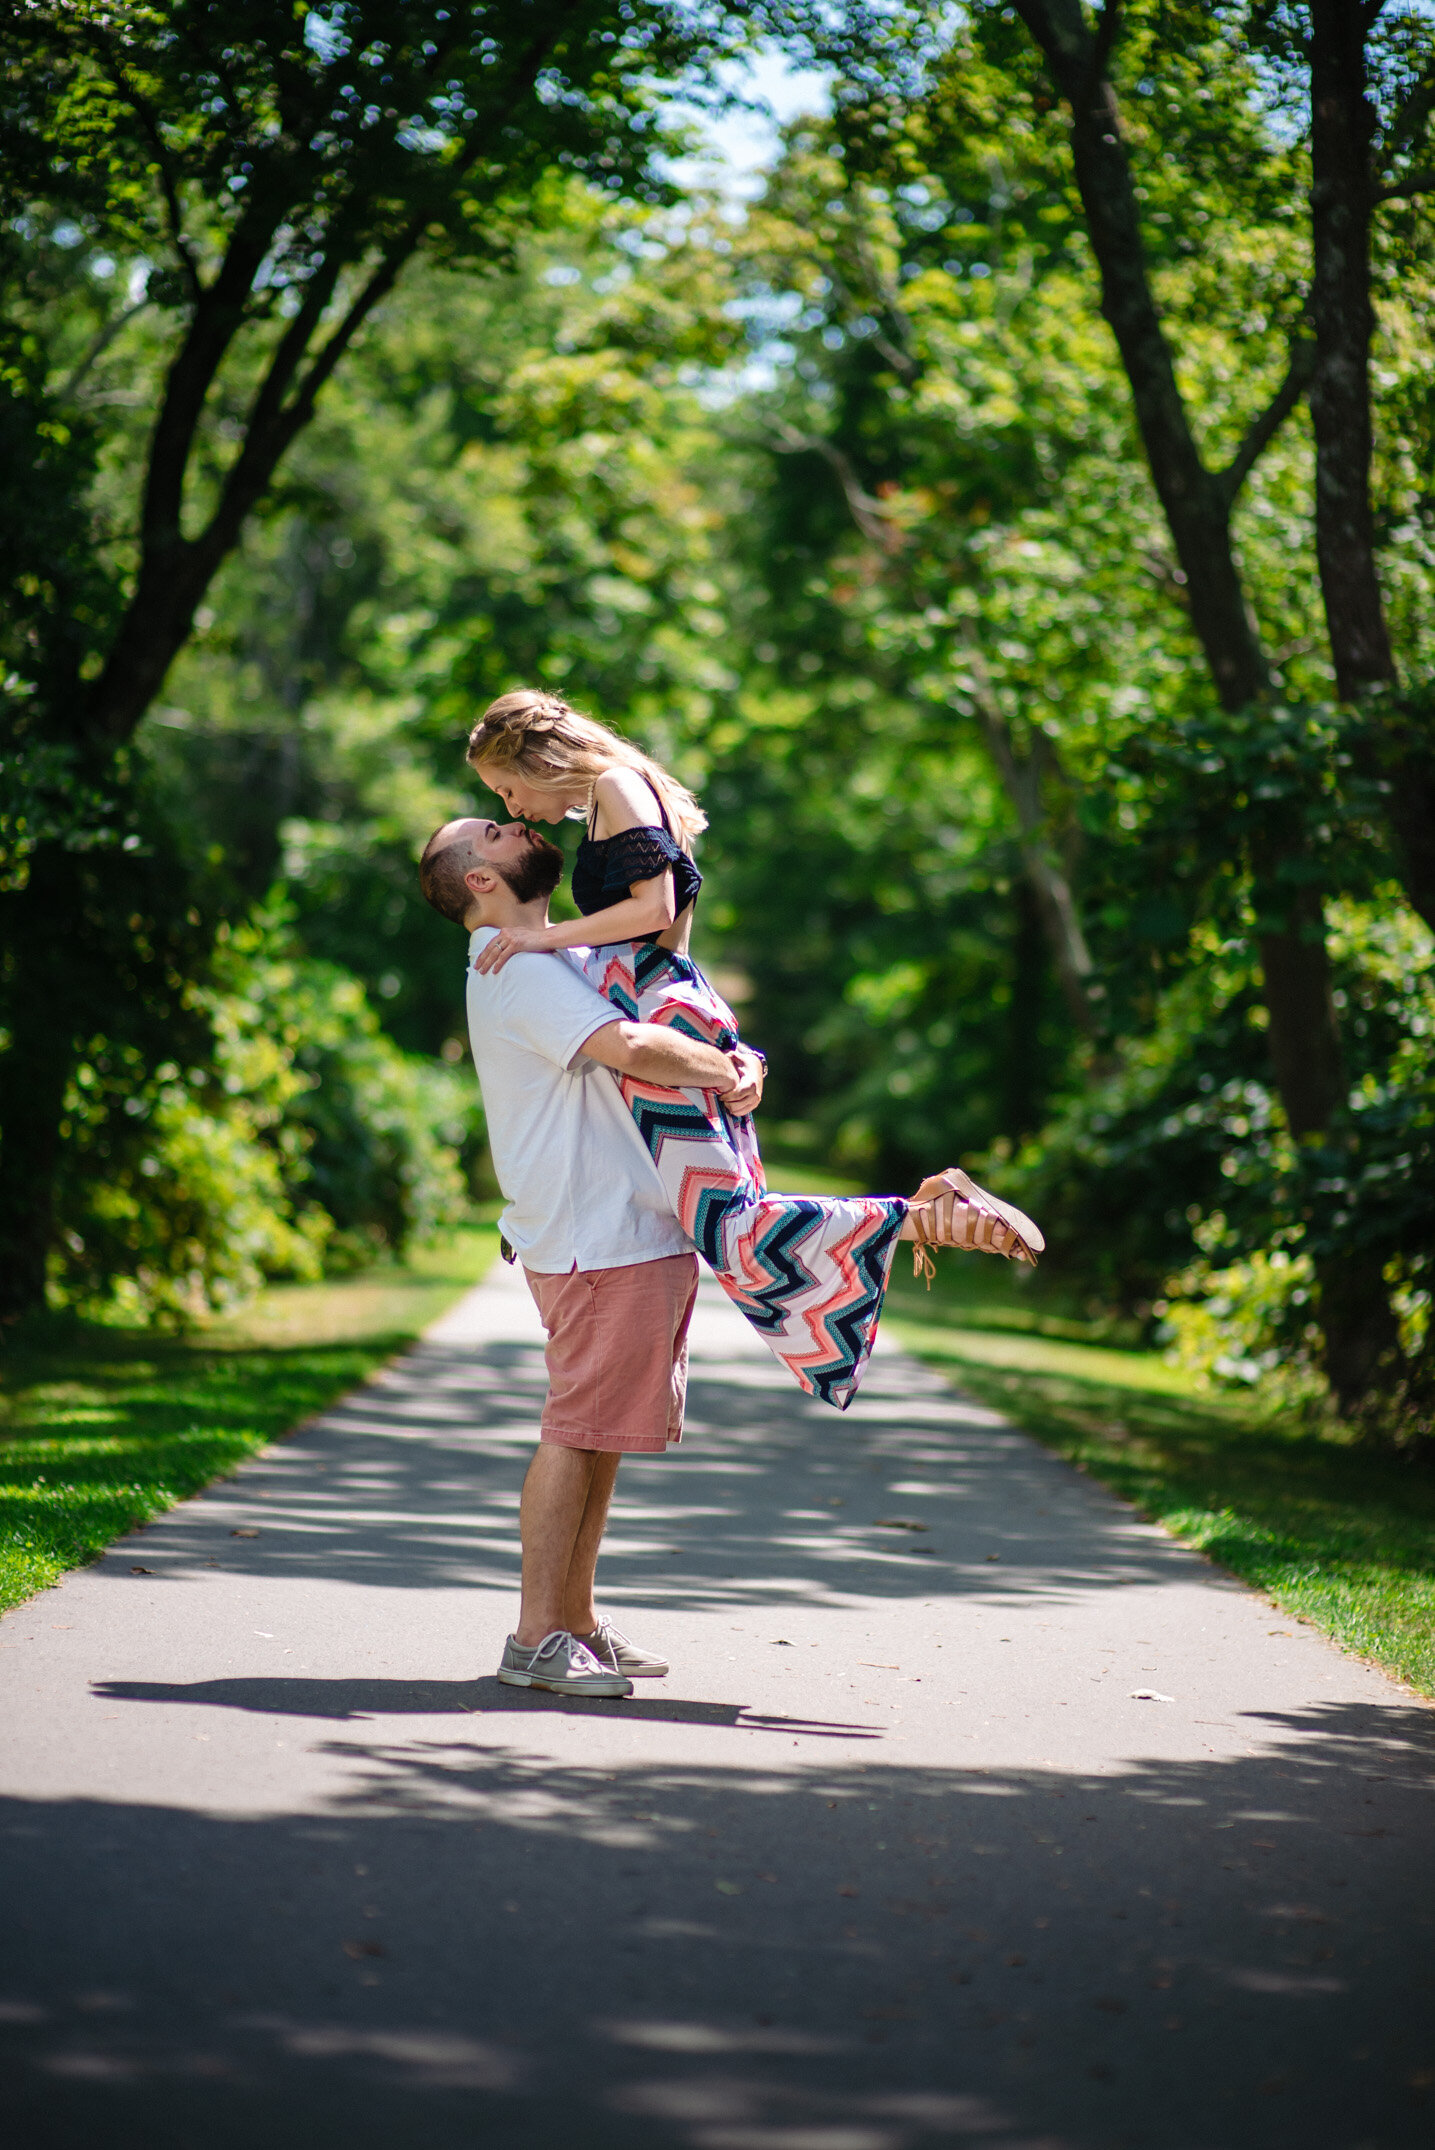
(625, 800)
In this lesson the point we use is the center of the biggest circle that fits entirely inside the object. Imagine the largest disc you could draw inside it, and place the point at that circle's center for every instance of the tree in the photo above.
(268, 173)
(1356, 1317)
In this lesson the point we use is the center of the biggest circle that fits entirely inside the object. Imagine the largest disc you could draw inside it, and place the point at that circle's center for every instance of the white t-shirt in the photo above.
(580, 1187)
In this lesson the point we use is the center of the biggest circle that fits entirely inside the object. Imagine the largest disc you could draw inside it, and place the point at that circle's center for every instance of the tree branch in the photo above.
(1056, 904)
(101, 344)
(174, 215)
(273, 422)
(871, 516)
(1409, 122)
(1108, 29)
(1406, 189)
(1262, 430)
(216, 319)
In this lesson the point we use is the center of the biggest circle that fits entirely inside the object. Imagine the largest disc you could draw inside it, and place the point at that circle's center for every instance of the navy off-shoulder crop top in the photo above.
(605, 868)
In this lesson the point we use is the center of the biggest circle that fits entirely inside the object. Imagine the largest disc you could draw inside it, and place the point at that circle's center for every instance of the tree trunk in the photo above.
(1025, 1087)
(1342, 203)
(1194, 499)
(1290, 937)
(1342, 129)
(34, 1074)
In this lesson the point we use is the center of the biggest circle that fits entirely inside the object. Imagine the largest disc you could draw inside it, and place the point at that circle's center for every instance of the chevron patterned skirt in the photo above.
(809, 1271)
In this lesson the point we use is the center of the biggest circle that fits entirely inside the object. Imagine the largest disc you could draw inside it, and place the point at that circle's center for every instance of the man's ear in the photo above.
(480, 880)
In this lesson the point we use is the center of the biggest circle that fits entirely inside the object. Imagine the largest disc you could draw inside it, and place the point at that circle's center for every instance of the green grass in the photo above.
(103, 1427)
(1332, 1533)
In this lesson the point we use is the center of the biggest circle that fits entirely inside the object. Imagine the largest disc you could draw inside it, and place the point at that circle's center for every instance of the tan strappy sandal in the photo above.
(951, 1210)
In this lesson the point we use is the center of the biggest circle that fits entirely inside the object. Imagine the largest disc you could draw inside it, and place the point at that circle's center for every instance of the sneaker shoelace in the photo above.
(552, 1645)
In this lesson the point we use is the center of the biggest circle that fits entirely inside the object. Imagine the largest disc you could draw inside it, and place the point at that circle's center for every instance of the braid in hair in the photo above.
(553, 746)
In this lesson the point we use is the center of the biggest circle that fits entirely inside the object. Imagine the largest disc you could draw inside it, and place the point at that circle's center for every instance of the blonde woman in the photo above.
(809, 1272)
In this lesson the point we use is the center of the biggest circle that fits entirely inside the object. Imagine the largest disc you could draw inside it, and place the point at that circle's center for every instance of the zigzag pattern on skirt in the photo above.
(836, 1300)
(808, 1271)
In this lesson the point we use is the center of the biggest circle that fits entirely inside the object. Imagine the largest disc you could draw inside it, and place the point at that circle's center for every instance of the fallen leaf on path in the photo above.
(141, 1571)
(1149, 1694)
(244, 1534)
(898, 1522)
(780, 1642)
(873, 1664)
(356, 1949)
(991, 1556)
(848, 1890)
(728, 1888)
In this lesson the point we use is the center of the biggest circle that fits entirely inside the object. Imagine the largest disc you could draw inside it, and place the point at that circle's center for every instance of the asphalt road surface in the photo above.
(974, 1812)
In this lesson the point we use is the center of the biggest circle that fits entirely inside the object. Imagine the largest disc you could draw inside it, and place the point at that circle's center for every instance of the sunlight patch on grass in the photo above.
(1020, 1352)
(1331, 1532)
(103, 1427)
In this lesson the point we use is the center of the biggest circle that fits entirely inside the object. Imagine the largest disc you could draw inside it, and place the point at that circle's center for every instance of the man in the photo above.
(612, 1272)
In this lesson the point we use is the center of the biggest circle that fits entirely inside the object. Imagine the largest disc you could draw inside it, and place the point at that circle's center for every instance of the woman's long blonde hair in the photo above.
(552, 746)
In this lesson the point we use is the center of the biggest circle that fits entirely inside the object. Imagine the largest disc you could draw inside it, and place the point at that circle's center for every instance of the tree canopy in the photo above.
(980, 518)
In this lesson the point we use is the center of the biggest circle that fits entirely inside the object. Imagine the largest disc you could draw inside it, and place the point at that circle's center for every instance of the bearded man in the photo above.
(611, 1270)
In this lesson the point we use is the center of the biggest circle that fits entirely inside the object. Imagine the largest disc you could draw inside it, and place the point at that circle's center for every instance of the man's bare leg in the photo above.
(550, 1518)
(580, 1615)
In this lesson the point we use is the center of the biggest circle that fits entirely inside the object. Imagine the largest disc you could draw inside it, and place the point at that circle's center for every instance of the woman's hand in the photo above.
(749, 1069)
(512, 941)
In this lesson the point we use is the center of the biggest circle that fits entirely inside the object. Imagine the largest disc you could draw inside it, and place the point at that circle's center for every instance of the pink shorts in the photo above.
(617, 1353)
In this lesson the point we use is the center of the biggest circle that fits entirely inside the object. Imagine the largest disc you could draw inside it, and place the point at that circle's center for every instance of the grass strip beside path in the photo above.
(103, 1427)
(1332, 1533)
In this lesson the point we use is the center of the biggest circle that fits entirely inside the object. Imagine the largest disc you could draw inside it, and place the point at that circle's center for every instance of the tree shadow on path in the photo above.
(464, 1946)
(358, 1699)
(412, 1482)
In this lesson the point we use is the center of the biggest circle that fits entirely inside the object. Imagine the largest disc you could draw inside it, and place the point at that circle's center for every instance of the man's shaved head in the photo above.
(449, 855)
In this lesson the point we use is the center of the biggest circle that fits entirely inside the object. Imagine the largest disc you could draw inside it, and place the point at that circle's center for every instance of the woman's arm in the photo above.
(649, 909)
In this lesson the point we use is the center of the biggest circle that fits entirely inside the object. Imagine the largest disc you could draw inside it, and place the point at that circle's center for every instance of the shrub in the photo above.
(306, 1142)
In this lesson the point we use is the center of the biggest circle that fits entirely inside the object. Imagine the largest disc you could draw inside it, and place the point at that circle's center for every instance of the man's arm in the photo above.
(655, 1053)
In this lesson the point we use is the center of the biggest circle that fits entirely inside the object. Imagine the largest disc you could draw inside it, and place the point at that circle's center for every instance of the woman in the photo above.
(809, 1273)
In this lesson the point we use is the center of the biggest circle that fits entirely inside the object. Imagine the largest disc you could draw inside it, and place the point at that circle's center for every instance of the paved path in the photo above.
(895, 1858)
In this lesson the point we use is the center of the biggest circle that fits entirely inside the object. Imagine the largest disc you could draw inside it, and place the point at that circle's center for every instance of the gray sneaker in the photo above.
(563, 1665)
(613, 1649)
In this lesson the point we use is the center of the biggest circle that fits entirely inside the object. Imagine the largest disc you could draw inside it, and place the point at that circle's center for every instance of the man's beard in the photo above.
(538, 871)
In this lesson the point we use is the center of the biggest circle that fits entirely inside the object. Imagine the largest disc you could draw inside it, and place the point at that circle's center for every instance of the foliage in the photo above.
(308, 1142)
(835, 500)
(254, 187)
(104, 1427)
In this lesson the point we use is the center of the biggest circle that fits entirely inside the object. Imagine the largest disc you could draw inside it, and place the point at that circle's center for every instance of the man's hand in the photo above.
(512, 941)
(750, 1071)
